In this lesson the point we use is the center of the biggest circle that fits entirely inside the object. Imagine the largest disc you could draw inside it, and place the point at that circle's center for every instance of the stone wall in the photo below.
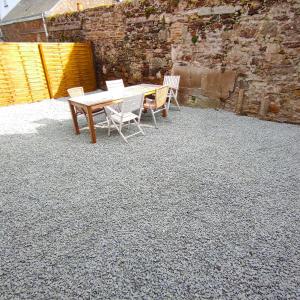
(242, 56)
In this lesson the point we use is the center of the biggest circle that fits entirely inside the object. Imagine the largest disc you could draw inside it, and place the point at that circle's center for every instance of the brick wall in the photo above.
(30, 31)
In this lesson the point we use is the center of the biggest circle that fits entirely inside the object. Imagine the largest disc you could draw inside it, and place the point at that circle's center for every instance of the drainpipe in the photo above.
(45, 27)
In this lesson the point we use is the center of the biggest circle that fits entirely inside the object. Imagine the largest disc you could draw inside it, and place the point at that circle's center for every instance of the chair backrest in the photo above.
(115, 85)
(132, 104)
(172, 81)
(161, 96)
(76, 91)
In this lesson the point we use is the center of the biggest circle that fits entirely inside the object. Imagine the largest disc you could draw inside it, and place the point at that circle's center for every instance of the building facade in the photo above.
(25, 22)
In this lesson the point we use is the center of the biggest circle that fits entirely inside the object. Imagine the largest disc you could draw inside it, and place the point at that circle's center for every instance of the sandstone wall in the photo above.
(240, 55)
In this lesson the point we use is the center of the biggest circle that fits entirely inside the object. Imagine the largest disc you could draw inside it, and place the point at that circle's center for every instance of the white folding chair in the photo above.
(116, 87)
(173, 83)
(159, 103)
(130, 112)
(115, 84)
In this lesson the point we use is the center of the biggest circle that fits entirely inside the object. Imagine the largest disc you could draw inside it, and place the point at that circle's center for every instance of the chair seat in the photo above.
(150, 103)
(98, 110)
(95, 111)
(126, 117)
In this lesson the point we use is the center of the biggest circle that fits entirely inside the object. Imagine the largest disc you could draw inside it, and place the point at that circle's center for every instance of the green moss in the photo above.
(53, 17)
(163, 22)
(62, 38)
(174, 3)
(150, 10)
(129, 14)
(144, 3)
(195, 39)
(127, 2)
(72, 13)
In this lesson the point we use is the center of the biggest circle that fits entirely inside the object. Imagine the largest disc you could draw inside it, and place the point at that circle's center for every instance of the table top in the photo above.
(108, 96)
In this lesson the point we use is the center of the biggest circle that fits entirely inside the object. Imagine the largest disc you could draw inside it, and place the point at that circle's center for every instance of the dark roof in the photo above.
(27, 8)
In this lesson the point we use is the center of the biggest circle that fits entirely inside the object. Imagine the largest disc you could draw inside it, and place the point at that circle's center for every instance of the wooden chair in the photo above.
(157, 104)
(173, 83)
(78, 91)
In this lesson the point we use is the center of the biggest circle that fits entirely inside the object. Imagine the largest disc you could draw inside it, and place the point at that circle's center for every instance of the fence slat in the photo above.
(35, 71)
(68, 65)
(20, 69)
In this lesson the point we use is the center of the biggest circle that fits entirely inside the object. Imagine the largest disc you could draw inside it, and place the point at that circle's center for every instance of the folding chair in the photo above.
(115, 84)
(173, 83)
(158, 103)
(130, 113)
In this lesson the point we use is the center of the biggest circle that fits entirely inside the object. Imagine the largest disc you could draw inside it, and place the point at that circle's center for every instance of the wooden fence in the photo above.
(68, 65)
(22, 77)
(31, 72)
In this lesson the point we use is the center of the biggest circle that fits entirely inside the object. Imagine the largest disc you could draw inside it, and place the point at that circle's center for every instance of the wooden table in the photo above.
(95, 101)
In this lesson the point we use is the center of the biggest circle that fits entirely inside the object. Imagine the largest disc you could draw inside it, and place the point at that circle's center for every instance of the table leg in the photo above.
(165, 112)
(91, 125)
(74, 118)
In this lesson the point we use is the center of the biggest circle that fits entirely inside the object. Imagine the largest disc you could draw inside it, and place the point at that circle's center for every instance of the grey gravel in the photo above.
(205, 207)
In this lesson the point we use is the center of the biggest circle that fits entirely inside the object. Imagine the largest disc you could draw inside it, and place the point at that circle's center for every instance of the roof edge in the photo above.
(24, 19)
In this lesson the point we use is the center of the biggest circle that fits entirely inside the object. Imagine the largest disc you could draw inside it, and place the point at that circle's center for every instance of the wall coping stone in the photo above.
(64, 27)
(213, 10)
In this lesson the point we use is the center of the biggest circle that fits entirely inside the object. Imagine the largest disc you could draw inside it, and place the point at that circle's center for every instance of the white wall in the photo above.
(4, 10)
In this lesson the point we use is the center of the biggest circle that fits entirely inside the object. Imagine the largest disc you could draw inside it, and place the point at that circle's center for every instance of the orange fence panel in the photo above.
(31, 72)
(68, 65)
(22, 77)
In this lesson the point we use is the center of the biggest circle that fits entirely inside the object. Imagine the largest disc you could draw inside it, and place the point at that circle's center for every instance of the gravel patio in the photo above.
(205, 207)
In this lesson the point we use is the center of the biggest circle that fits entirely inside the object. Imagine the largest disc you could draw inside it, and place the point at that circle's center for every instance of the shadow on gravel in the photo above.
(53, 130)
(205, 207)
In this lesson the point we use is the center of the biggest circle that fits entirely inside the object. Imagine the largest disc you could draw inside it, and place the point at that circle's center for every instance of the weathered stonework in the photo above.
(244, 55)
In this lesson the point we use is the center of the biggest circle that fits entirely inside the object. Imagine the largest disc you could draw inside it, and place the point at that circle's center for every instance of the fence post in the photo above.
(45, 70)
